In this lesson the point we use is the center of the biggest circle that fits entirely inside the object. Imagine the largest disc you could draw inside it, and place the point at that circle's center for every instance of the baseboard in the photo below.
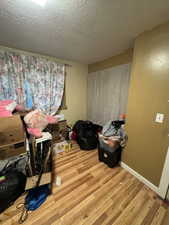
(141, 178)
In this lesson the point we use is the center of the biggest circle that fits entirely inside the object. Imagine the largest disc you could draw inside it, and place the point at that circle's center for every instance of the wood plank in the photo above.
(76, 214)
(132, 210)
(124, 199)
(159, 216)
(106, 200)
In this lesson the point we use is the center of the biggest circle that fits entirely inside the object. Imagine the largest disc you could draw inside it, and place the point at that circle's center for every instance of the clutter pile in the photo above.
(60, 131)
(12, 160)
(25, 160)
(112, 140)
(26, 148)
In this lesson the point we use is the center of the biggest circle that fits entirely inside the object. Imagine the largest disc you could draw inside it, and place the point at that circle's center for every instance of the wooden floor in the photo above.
(93, 194)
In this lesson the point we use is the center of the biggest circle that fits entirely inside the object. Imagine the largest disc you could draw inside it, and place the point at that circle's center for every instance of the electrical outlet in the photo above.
(159, 118)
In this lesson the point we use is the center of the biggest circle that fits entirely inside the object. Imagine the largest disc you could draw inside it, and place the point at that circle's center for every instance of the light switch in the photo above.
(159, 118)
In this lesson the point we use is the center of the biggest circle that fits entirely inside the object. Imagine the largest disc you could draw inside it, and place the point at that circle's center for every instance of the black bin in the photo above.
(109, 155)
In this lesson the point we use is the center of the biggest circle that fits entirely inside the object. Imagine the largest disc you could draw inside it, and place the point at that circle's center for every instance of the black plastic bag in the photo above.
(12, 185)
(87, 136)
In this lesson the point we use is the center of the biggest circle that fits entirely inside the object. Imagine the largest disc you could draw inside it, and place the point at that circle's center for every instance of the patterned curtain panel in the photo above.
(31, 81)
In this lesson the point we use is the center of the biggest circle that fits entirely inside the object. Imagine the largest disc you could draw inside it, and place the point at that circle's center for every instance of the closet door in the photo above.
(108, 93)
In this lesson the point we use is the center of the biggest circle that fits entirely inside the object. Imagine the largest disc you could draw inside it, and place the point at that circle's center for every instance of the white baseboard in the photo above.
(141, 178)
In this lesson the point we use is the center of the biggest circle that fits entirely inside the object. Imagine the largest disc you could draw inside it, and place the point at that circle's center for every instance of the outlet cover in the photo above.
(159, 118)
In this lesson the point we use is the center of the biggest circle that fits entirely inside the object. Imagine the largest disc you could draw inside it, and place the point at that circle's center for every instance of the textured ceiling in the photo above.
(81, 30)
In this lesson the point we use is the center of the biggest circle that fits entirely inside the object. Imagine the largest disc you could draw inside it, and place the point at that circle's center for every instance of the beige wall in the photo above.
(76, 87)
(76, 92)
(123, 58)
(149, 94)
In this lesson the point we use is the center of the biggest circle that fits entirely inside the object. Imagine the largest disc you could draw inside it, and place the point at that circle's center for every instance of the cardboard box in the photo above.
(12, 137)
(11, 131)
(12, 150)
(45, 179)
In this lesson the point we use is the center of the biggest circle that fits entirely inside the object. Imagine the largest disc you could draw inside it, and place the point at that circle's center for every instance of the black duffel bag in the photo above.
(86, 133)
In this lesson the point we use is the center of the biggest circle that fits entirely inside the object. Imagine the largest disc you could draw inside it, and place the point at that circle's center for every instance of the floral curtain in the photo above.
(32, 80)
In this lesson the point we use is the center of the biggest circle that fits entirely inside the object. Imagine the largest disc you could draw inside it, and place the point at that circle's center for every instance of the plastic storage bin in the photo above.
(109, 155)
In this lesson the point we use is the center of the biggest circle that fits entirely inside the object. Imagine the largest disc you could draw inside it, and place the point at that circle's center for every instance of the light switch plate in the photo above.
(159, 118)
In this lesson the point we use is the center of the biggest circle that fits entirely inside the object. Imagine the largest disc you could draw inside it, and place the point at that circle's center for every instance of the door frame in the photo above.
(164, 181)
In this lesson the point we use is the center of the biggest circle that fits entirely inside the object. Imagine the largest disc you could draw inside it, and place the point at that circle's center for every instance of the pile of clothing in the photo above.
(113, 134)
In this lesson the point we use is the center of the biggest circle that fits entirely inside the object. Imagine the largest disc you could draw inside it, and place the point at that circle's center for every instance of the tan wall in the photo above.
(149, 94)
(76, 93)
(123, 58)
(76, 87)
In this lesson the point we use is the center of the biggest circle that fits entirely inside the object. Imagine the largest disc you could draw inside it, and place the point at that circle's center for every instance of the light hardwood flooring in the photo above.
(93, 194)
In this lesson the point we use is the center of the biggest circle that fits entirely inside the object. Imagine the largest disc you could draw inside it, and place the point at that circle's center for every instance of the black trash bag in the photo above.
(12, 185)
(86, 133)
